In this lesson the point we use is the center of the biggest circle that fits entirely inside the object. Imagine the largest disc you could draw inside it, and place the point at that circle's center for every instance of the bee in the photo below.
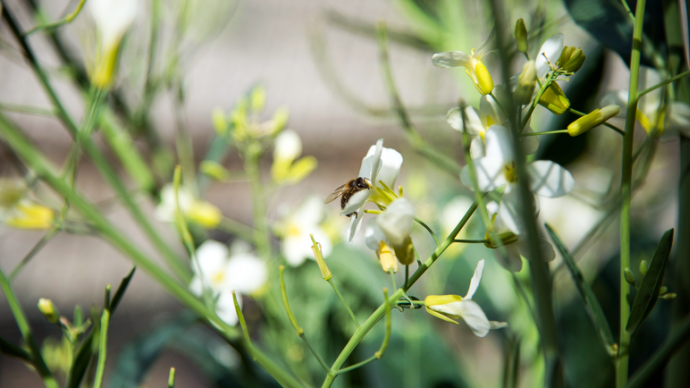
(346, 191)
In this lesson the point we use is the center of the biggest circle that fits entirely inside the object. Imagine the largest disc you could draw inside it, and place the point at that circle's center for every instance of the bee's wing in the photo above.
(335, 194)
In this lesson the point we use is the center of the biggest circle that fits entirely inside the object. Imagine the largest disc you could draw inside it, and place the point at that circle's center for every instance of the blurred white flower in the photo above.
(651, 113)
(472, 63)
(17, 210)
(478, 122)
(288, 147)
(113, 18)
(379, 165)
(393, 228)
(551, 49)
(223, 273)
(452, 307)
(296, 229)
(200, 212)
(497, 169)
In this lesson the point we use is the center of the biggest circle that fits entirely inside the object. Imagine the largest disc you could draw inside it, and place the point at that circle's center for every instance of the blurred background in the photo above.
(320, 59)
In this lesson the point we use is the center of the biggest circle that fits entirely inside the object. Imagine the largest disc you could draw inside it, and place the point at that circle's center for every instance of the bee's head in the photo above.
(362, 183)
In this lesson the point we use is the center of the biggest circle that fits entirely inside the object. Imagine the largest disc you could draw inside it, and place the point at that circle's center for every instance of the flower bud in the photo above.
(405, 252)
(593, 119)
(506, 238)
(30, 215)
(316, 248)
(214, 170)
(521, 36)
(387, 258)
(554, 99)
(220, 122)
(437, 305)
(571, 59)
(669, 296)
(663, 290)
(526, 82)
(258, 99)
(205, 214)
(643, 267)
(48, 310)
(629, 277)
(483, 80)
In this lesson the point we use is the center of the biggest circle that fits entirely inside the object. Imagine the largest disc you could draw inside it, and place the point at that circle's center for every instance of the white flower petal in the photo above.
(355, 224)
(356, 202)
(509, 215)
(296, 249)
(472, 314)
(245, 273)
(113, 17)
(489, 108)
(549, 179)
(391, 161)
(373, 235)
(530, 144)
(212, 257)
(310, 212)
(476, 278)
(372, 161)
(547, 251)
(397, 221)
(288, 145)
(497, 325)
(477, 148)
(225, 307)
(678, 119)
(453, 59)
(490, 169)
(552, 49)
(474, 124)
(165, 211)
(510, 258)
(196, 286)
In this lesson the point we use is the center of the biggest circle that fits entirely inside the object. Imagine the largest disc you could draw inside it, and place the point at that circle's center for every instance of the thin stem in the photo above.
(628, 10)
(615, 128)
(298, 330)
(261, 234)
(347, 306)
(425, 226)
(498, 103)
(68, 19)
(392, 273)
(28, 336)
(103, 342)
(465, 241)
(355, 366)
(39, 245)
(32, 110)
(663, 83)
(626, 194)
(238, 229)
(544, 133)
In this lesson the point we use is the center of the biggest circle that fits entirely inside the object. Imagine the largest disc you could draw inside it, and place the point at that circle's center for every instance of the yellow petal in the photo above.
(484, 82)
(205, 214)
(31, 216)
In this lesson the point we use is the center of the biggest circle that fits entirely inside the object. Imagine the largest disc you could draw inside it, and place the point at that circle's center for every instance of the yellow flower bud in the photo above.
(521, 36)
(316, 248)
(220, 123)
(484, 82)
(571, 59)
(30, 215)
(279, 120)
(593, 119)
(48, 310)
(669, 296)
(554, 99)
(387, 258)
(214, 170)
(258, 99)
(526, 82)
(204, 214)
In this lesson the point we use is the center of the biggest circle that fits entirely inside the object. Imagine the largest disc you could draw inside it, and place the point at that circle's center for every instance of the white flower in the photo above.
(112, 18)
(514, 246)
(478, 122)
(552, 50)
(285, 168)
(393, 228)
(200, 212)
(223, 273)
(379, 165)
(288, 145)
(452, 307)
(497, 168)
(649, 113)
(472, 63)
(296, 229)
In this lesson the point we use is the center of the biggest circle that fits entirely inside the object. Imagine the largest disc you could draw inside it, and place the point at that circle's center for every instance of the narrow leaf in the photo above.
(596, 314)
(121, 290)
(648, 292)
(81, 362)
(12, 350)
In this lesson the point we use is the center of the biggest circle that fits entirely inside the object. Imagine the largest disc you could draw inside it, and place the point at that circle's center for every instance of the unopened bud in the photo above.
(629, 277)
(214, 170)
(279, 120)
(220, 122)
(554, 99)
(316, 248)
(387, 258)
(48, 310)
(405, 252)
(571, 59)
(483, 82)
(663, 290)
(526, 81)
(643, 267)
(592, 120)
(258, 99)
(521, 36)
(669, 296)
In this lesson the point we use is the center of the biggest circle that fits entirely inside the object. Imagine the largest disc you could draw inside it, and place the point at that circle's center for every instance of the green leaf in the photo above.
(121, 290)
(596, 313)
(648, 292)
(81, 361)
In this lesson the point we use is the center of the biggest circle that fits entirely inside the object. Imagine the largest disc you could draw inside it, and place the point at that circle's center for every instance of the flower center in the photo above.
(217, 279)
(293, 230)
(510, 172)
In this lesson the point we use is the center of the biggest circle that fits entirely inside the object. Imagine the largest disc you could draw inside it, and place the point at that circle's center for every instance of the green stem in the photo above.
(32, 110)
(28, 336)
(465, 241)
(238, 229)
(362, 331)
(261, 234)
(103, 341)
(347, 306)
(171, 378)
(425, 226)
(663, 83)
(39, 245)
(615, 128)
(626, 194)
(544, 133)
(68, 19)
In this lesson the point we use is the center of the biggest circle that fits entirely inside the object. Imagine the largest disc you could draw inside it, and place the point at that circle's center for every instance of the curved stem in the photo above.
(347, 306)
(425, 226)
(66, 20)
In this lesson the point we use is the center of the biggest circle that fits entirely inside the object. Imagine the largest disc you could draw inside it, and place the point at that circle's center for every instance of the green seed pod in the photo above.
(521, 36)
(644, 267)
(629, 277)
